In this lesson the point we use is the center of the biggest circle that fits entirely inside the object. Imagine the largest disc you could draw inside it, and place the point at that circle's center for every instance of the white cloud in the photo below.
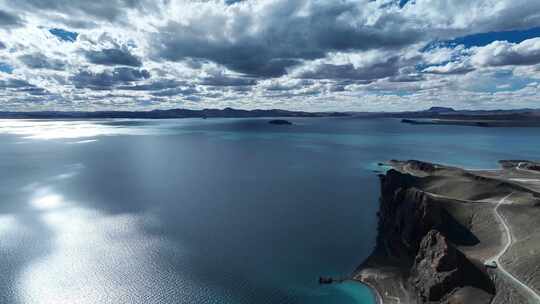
(452, 67)
(292, 54)
(503, 53)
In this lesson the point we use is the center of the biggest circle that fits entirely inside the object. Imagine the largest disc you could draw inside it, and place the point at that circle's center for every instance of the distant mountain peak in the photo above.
(441, 109)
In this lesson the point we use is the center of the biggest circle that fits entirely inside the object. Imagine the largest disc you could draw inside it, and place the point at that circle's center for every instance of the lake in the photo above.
(207, 211)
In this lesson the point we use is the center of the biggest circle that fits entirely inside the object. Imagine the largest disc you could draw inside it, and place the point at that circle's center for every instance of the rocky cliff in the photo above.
(413, 238)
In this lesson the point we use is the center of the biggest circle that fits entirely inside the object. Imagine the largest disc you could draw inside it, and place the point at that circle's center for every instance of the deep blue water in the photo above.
(207, 211)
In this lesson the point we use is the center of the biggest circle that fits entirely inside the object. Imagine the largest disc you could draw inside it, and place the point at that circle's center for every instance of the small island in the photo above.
(279, 122)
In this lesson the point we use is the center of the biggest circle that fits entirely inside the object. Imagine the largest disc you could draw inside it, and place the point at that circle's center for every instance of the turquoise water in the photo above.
(207, 211)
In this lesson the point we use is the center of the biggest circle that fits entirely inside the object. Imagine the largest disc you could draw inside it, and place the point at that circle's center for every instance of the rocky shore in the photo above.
(440, 239)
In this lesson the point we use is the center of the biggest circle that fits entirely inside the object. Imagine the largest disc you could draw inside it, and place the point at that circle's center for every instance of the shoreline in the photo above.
(376, 293)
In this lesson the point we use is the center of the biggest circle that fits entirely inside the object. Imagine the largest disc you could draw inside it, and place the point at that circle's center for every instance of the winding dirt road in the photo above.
(534, 297)
(496, 259)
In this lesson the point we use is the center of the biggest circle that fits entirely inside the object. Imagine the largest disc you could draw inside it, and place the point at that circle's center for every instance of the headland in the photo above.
(452, 235)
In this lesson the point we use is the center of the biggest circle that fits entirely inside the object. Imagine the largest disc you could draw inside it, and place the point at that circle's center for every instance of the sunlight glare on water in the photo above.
(49, 129)
(94, 258)
(45, 199)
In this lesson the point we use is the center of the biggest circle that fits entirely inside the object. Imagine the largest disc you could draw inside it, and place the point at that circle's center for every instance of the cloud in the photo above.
(304, 54)
(40, 61)
(109, 78)
(114, 56)
(265, 38)
(155, 85)
(349, 71)
(362, 66)
(412, 77)
(502, 53)
(450, 68)
(15, 85)
(106, 10)
(220, 79)
(454, 18)
(9, 20)
(179, 91)
(285, 84)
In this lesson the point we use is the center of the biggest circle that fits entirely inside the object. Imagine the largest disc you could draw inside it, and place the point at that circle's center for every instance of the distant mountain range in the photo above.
(433, 112)
(172, 113)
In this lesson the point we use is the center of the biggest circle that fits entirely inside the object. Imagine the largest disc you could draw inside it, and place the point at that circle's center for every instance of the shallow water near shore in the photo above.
(207, 211)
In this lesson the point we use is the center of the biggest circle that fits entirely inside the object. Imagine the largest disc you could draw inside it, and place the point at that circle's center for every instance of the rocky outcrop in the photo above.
(412, 228)
(437, 268)
(421, 166)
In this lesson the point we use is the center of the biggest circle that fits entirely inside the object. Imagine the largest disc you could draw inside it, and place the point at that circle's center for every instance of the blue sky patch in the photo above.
(487, 38)
(500, 81)
(64, 35)
(483, 39)
(402, 3)
(6, 68)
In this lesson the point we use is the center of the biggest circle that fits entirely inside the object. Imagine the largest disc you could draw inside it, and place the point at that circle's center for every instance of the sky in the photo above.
(333, 55)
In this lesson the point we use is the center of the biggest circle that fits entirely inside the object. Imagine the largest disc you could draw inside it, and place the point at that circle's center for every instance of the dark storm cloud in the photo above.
(283, 39)
(9, 20)
(113, 56)
(2, 45)
(40, 61)
(108, 79)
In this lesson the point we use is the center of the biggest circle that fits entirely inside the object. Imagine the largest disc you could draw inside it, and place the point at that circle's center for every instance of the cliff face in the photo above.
(411, 230)
(406, 214)
(437, 268)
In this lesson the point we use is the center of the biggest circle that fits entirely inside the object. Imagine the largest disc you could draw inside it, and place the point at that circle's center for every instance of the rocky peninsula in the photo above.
(451, 235)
